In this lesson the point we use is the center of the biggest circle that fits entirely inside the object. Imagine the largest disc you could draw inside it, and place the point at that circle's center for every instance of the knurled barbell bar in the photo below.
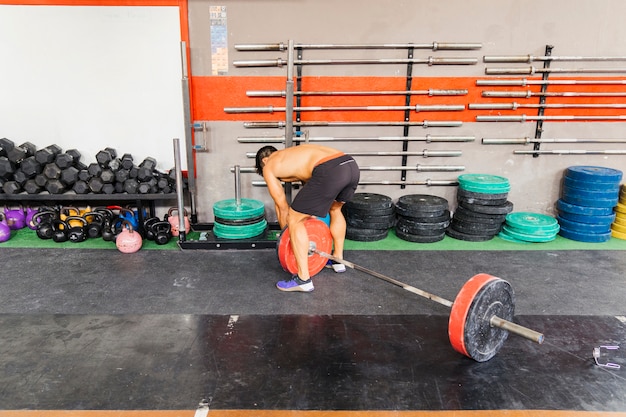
(481, 314)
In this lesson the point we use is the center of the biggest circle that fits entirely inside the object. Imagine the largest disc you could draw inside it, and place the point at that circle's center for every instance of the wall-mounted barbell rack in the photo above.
(293, 92)
(540, 118)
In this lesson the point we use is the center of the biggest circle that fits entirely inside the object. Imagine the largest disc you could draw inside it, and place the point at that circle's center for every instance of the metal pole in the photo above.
(515, 106)
(238, 185)
(526, 141)
(572, 152)
(425, 153)
(425, 123)
(427, 182)
(289, 87)
(527, 59)
(271, 109)
(431, 92)
(191, 163)
(493, 321)
(418, 168)
(279, 62)
(426, 138)
(525, 118)
(529, 94)
(435, 46)
(533, 70)
(179, 192)
(523, 82)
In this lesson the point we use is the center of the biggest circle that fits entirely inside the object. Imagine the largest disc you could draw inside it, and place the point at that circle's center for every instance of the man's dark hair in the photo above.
(264, 152)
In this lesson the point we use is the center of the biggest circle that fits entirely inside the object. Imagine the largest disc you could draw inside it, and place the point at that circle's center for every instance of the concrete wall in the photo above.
(573, 27)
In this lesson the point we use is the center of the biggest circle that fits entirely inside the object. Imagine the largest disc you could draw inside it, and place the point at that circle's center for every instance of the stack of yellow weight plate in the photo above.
(618, 228)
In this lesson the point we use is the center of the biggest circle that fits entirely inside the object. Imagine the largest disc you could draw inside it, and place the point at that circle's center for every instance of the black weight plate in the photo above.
(369, 212)
(483, 199)
(465, 215)
(417, 214)
(503, 209)
(423, 219)
(414, 224)
(589, 185)
(474, 228)
(422, 203)
(562, 205)
(239, 222)
(455, 234)
(581, 218)
(371, 224)
(370, 201)
(481, 202)
(405, 228)
(365, 235)
(586, 228)
(419, 238)
(369, 217)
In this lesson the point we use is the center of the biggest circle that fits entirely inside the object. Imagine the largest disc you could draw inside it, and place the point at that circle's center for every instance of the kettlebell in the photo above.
(15, 218)
(108, 234)
(162, 232)
(5, 230)
(59, 230)
(42, 220)
(76, 234)
(128, 241)
(147, 227)
(30, 212)
(95, 222)
(70, 211)
(173, 221)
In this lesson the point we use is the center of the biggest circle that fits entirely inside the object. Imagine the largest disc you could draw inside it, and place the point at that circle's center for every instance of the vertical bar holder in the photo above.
(289, 109)
(542, 101)
(298, 88)
(182, 234)
(189, 128)
(407, 113)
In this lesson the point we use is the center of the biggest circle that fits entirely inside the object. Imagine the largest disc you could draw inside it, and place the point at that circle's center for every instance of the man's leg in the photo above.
(299, 240)
(338, 232)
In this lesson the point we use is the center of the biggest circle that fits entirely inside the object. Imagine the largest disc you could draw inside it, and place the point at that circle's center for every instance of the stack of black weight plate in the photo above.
(422, 218)
(482, 207)
(369, 217)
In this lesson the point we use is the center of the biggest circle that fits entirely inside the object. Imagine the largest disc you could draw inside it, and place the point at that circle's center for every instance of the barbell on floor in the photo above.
(481, 314)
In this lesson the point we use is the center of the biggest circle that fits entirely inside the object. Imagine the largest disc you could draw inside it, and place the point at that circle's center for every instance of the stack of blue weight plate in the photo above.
(585, 209)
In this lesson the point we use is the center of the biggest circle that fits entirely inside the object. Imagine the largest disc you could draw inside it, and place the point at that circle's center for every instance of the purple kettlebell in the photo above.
(5, 230)
(15, 218)
(30, 212)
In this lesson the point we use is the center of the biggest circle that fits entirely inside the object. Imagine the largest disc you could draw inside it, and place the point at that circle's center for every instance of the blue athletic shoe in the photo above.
(337, 267)
(295, 284)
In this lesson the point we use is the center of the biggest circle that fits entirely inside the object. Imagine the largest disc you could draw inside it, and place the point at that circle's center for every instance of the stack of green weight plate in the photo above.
(482, 207)
(526, 227)
(241, 219)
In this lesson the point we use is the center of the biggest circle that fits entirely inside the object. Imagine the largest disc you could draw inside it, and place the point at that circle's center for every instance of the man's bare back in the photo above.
(296, 163)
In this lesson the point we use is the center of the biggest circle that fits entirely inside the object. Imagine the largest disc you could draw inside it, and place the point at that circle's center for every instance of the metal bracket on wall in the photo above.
(203, 128)
(542, 101)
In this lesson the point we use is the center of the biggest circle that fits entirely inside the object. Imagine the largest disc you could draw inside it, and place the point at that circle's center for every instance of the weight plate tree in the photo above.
(481, 314)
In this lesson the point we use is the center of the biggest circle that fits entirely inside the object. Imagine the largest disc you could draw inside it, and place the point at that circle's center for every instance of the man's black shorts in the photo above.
(333, 180)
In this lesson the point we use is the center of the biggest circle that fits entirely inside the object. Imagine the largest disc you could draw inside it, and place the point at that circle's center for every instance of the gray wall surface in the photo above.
(573, 27)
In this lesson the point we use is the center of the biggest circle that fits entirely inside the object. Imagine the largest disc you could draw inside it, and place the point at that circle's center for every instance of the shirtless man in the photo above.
(330, 179)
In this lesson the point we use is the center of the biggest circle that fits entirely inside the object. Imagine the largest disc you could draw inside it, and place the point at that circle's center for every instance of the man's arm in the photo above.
(277, 192)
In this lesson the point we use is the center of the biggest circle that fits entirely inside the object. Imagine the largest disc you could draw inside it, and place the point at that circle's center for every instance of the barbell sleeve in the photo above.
(509, 326)
(523, 82)
(425, 124)
(426, 138)
(571, 152)
(272, 109)
(529, 94)
(524, 118)
(531, 58)
(430, 92)
(435, 46)
(515, 106)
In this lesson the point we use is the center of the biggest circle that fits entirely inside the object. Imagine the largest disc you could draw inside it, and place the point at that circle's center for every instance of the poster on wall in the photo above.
(219, 40)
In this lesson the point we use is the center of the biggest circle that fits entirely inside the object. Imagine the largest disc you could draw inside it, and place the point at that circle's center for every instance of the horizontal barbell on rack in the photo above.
(525, 118)
(435, 46)
(426, 138)
(529, 94)
(416, 108)
(427, 182)
(424, 123)
(418, 167)
(526, 141)
(481, 314)
(527, 59)
(425, 153)
(430, 61)
(431, 92)
(571, 152)
(515, 106)
(534, 70)
(524, 82)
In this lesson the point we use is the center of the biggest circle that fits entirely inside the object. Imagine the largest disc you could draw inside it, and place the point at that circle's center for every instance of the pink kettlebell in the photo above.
(173, 220)
(128, 240)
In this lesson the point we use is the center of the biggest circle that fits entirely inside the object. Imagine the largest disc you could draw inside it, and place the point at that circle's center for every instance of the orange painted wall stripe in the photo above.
(297, 413)
(93, 2)
(214, 93)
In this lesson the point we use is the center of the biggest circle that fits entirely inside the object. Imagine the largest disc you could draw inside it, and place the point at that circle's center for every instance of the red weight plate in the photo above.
(319, 235)
(461, 309)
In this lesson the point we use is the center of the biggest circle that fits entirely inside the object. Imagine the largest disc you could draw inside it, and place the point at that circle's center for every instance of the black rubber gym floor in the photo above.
(165, 330)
